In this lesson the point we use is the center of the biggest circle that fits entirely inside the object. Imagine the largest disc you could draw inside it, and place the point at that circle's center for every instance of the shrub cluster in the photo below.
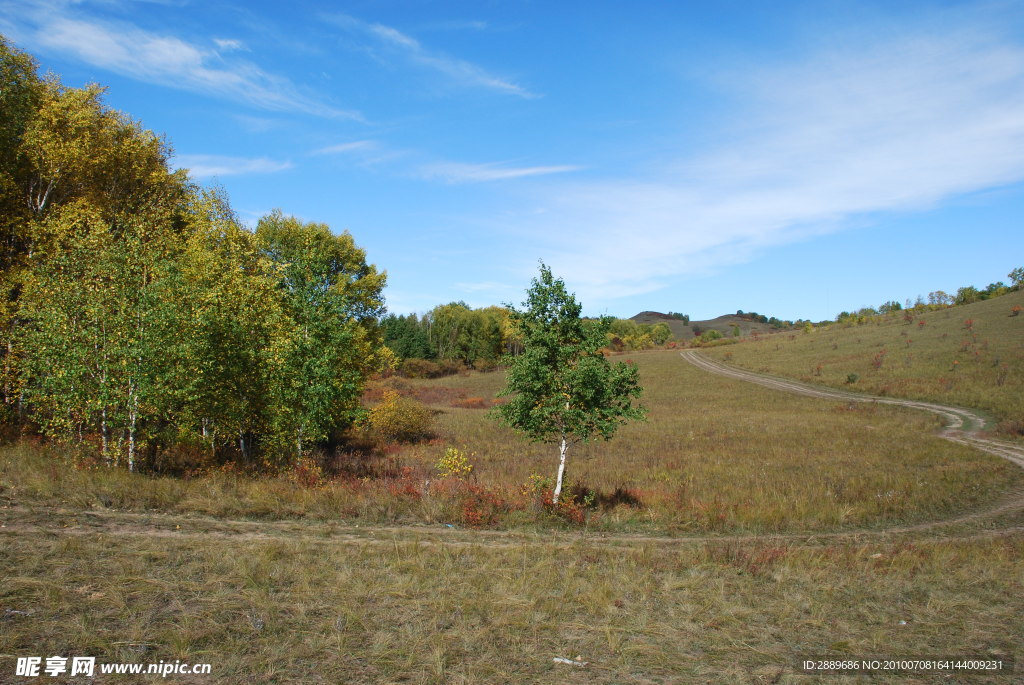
(399, 419)
(424, 368)
(454, 464)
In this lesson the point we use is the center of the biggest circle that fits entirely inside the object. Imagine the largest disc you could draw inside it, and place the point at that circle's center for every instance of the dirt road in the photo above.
(962, 425)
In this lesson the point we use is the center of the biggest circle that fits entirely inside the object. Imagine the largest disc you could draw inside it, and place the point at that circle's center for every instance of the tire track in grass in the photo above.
(963, 426)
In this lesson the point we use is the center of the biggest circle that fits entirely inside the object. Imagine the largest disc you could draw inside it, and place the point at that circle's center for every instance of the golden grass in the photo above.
(718, 454)
(933, 355)
(378, 611)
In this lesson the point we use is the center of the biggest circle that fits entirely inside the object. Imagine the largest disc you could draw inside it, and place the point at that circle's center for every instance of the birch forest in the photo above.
(141, 318)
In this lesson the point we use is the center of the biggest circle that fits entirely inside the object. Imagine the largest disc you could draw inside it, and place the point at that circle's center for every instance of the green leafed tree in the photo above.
(967, 295)
(447, 329)
(331, 343)
(562, 389)
(79, 182)
(660, 333)
(219, 312)
(1017, 277)
(21, 91)
(406, 337)
(90, 305)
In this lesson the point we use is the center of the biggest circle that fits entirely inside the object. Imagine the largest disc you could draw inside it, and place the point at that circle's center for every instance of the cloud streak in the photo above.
(458, 71)
(209, 166)
(346, 148)
(885, 127)
(457, 172)
(229, 44)
(161, 59)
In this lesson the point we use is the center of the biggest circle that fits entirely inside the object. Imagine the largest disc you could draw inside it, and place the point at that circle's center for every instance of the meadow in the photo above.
(970, 355)
(715, 455)
(160, 342)
(736, 532)
(308, 609)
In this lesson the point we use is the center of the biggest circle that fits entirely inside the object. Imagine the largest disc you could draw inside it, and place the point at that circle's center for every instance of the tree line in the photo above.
(456, 332)
(482, 338)
(142, 318)
(938, 299)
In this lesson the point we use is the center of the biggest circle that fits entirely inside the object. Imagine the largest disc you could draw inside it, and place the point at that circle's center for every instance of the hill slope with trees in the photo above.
(740, 324)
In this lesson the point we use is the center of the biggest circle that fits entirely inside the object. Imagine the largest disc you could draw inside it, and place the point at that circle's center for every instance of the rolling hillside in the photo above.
(970, 355)
(723, 324)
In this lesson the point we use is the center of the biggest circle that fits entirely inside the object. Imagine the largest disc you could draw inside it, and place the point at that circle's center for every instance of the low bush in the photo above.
(715, 342)
(454, 464)
(472, 403)
(450, 367)
(399, 419)
(424, 368)
(419, 368)
(486, 365)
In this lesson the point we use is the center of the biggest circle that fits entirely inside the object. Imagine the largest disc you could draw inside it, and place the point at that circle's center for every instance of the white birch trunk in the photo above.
(133, 403)
(561, 471)
(103, 435)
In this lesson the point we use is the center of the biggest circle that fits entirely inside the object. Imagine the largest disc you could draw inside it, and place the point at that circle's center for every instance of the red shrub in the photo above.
(482, 507)
(472, 403)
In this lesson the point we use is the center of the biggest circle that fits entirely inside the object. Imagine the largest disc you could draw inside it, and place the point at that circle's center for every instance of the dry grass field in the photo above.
(309, 609)
(736, 532)
(715, 455)
(971, 356)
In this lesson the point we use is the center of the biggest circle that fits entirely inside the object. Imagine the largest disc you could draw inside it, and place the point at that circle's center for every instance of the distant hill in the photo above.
(723, 324)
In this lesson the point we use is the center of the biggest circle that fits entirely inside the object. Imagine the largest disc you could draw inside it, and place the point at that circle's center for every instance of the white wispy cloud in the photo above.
(344, 148)
(208, 166)
(456, 25)
(881, 127)
(457, 172)
(457, 70)
(368, 154)
(159, 58)
(229, 44)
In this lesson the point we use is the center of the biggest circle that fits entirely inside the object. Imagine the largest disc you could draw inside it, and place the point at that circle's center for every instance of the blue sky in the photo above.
(793, 158)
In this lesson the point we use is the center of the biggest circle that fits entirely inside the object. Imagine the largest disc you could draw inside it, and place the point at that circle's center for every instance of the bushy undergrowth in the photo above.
(424, 368)
(391, 493)
(399, 419)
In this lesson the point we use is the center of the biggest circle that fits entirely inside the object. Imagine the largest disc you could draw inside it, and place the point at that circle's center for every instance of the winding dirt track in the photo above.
(962, 426)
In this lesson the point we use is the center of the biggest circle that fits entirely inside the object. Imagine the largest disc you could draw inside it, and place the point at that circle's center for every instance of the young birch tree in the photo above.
(562, 388)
